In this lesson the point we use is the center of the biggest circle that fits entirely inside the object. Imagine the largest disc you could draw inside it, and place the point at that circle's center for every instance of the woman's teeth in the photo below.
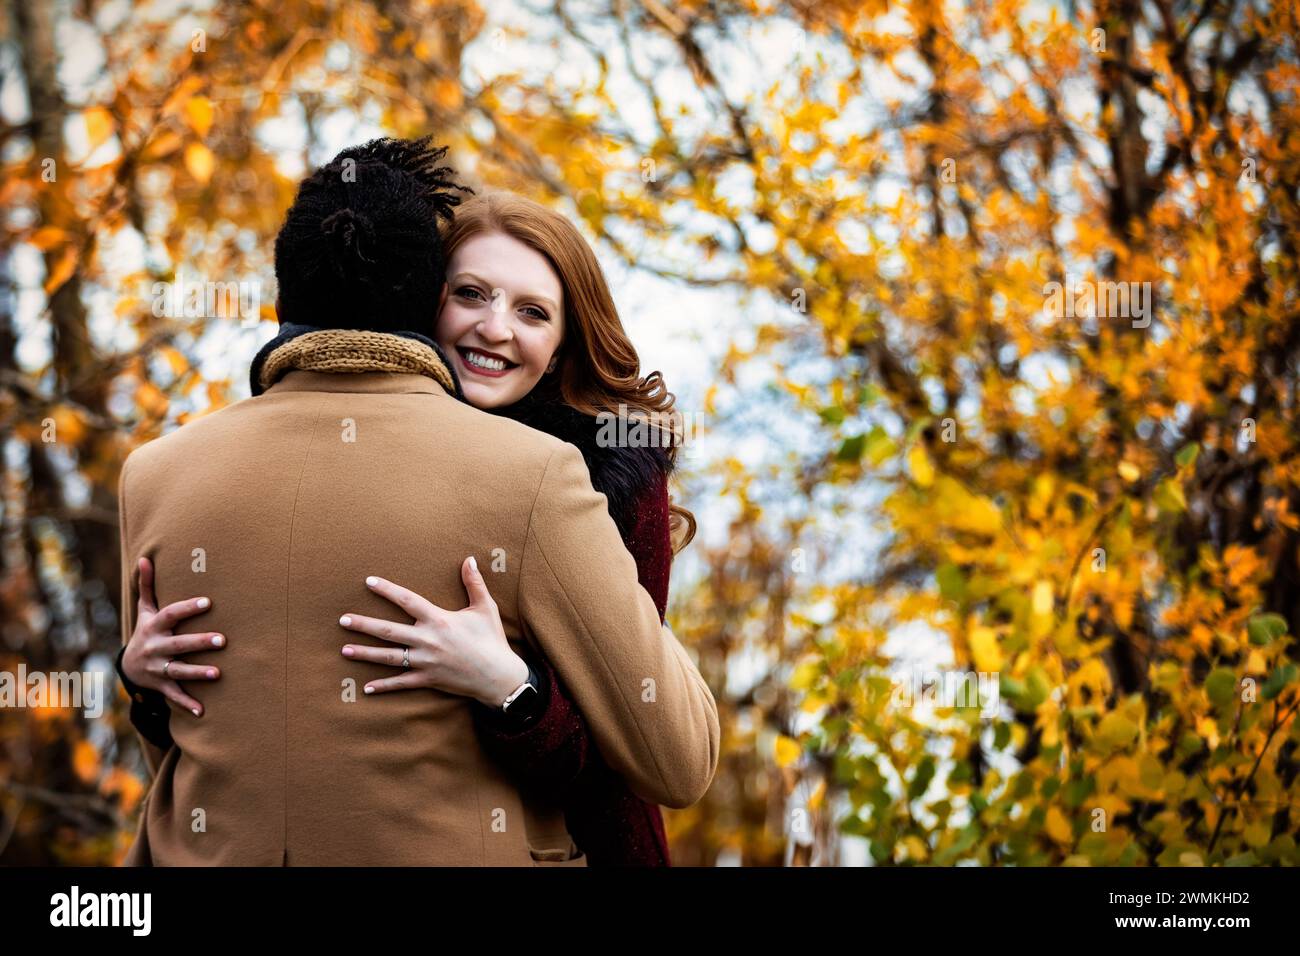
(482, 361)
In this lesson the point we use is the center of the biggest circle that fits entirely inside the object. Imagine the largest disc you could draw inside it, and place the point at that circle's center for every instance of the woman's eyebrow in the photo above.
(460, 276)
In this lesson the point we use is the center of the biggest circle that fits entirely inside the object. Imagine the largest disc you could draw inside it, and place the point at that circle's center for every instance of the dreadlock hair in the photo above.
(360, 247)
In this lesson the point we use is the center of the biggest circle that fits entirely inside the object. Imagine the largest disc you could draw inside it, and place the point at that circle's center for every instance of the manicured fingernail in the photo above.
(347, 651)
(217, 640)
(473, 563)
(345, 621)
(196, 712)
(370, 690)
(203, 602)
(372, 581)
(212, 672)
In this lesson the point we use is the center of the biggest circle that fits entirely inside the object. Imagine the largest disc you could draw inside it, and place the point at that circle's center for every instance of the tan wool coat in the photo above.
(277, 508)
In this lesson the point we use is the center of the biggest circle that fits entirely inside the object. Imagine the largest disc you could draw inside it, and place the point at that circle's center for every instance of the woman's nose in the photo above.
(496, 326)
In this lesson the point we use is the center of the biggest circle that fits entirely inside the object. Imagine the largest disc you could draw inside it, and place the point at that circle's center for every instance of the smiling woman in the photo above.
(501, 318)
(528, 321)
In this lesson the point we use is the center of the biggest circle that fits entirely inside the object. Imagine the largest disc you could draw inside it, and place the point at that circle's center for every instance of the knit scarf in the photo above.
(620, 473)
(345, 351)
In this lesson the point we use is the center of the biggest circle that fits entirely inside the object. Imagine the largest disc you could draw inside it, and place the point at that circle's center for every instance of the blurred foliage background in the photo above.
(914, 462)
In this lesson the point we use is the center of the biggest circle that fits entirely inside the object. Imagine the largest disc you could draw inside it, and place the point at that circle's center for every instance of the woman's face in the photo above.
(500, 319)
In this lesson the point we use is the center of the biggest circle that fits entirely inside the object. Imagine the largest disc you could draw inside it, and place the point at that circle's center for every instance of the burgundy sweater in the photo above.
(556, 753)
(608, 822)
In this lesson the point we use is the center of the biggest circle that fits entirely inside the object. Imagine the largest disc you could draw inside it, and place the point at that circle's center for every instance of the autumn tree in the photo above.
(1017, 333)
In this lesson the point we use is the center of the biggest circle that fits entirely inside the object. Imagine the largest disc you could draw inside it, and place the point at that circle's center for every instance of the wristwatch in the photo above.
(524, 704)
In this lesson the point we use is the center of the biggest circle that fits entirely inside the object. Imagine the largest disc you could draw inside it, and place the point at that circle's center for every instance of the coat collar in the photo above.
(352, 360)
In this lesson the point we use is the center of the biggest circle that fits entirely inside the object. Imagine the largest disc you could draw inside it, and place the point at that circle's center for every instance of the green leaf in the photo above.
(833, 415)
(1039, 687)
(1169, 496)
(1265, 628)
(1079, 789)
(1278, 680)
(1011, 687)
(1221, 686)
(1002, 732)
(921, 780)
(1187, 454)
(880, 447)
(851, 450)
(1116, 731)
(952, 583)
(881, 851)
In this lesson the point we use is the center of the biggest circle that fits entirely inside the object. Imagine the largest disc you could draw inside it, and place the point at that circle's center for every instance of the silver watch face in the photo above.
(528, 692)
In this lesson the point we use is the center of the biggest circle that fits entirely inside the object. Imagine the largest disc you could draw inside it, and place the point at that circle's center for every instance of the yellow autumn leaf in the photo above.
(200, 162)
(178, 362)
(85, 761)
(124, 785)
(161, 146)
(447, 92)
(787, 750)
(99, 126)
(198, 113)
(62, 270)
(985, 650)
(47, 237)
(1208, 730)
(68, 426)
(1057, 827)
(151, 399)
(918, 462)
(805, 675)
(1129, 471)
(916, 848)
(1043, 600)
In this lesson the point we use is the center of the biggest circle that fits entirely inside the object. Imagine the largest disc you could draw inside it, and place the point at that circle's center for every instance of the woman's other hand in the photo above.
(459, 652)
(150, 654)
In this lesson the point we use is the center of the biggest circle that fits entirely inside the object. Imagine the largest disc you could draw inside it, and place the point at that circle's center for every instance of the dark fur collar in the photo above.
(621, 474)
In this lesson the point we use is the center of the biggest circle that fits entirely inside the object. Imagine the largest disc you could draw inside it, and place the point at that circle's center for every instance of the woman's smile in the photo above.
(482, 362)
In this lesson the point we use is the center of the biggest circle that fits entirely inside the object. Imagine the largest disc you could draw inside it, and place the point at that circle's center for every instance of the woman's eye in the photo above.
(469, 292)
(536, 313)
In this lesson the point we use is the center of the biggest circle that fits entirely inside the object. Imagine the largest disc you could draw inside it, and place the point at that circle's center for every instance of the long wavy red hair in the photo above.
(598, 369)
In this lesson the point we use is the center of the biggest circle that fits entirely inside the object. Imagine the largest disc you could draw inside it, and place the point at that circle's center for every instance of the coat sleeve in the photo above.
(553, 751)
(650, 713)
(147, 712)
